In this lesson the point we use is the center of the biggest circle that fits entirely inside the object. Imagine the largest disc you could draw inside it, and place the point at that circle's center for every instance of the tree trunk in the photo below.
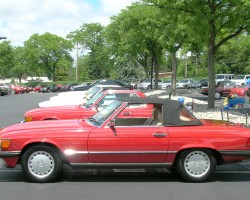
(156, 71)
(174, 73)
(211, 68)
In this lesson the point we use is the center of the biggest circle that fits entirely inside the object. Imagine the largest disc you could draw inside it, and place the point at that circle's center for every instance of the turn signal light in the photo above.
(5, 144)
(28, 119)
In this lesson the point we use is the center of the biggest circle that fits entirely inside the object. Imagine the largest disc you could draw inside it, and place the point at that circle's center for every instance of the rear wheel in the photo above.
(217, 95)
(41, 164)
(196, 165)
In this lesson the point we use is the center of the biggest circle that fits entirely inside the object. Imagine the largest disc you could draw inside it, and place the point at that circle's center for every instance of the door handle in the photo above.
(127, 113)
(159, 135)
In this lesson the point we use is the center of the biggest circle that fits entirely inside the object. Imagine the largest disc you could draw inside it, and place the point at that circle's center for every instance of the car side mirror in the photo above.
(112, 123)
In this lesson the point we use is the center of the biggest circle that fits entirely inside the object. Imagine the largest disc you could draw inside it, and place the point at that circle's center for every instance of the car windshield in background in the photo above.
(239, 77)
(90, 102)
(91, 92)
(99, 118)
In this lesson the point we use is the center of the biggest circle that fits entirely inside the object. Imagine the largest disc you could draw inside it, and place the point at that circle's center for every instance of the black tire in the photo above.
(41, 164)
(196, 165)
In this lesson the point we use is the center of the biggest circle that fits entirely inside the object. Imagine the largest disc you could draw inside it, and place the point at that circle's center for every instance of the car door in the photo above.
(128, 144)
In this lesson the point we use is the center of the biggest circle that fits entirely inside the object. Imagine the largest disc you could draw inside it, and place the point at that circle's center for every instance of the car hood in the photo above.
(46, 129)
(55, 110)
(61, 102)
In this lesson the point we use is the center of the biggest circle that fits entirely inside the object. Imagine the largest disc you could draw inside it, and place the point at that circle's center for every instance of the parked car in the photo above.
(88, 109)
(14, 89)
(240, 80)
(81, 87)
(52, 88)
(185, 83)
(222, 88)
(146, 84)
(200, 83)
(164, 84)
(38, 88)
(239, 91)
(68, 87)
(171, 138)
(223, 77)
(73, 97)
(4, 89)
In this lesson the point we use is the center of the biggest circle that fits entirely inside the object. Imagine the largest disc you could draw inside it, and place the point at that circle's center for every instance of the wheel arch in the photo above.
(216, 154)
(58, 150)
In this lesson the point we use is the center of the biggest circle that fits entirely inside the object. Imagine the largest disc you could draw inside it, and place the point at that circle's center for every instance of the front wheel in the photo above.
(41, 164)
(196, 165)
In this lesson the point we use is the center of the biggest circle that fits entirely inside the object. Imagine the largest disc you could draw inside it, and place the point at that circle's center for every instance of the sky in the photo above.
(19, 19)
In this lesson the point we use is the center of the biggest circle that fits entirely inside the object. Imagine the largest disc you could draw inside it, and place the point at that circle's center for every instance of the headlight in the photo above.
(28, 119)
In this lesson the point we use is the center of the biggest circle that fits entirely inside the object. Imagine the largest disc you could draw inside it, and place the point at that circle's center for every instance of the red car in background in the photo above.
(88, 109)
(239, 91)
(222, 88)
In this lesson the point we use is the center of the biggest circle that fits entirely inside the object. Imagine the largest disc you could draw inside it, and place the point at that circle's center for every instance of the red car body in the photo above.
(222, 88)
(240, 91)
(172, 139)
(88, 109)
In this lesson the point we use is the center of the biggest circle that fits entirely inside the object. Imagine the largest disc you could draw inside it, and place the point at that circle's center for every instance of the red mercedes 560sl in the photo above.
(88, 109)
(171, 138)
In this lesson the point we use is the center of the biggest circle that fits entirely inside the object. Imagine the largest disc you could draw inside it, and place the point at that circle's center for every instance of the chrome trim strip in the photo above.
(128, 152)
(70, 152)
(121, 165)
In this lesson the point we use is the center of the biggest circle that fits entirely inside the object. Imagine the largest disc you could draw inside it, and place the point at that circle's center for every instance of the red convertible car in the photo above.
(88, 109)
(171, 138)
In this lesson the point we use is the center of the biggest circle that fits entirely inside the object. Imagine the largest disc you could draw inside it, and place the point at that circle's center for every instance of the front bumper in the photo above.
(9, 154)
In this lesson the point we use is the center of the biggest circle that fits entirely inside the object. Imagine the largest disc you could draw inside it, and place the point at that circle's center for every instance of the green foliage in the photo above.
(91, 39)
(47, 52)
(6, 58)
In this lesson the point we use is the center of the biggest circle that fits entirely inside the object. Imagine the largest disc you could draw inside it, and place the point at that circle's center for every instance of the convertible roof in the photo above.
(170, 110)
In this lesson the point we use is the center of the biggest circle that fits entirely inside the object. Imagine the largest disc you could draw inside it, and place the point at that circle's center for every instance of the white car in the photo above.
(164, 84)
(146, 84)
(241, 80)
(71, 99)
(185, 83)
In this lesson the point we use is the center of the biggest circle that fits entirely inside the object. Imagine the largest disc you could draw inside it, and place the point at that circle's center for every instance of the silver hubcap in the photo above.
(41, 164)
(217, 95)
(197, 164)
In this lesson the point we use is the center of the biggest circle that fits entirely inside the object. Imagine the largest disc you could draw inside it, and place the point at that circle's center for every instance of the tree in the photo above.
(136, 34)
(20, 63)
(214, 22)
(235, 55)
(6, 57)
(92, 41)
(46, 51)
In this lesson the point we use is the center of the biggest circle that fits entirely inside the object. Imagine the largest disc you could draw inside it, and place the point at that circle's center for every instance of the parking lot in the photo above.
(229, 182)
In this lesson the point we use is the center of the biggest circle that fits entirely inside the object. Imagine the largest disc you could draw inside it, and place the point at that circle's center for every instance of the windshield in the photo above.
(90, 102)
(100, 117)
(239, 77)
(91, 92)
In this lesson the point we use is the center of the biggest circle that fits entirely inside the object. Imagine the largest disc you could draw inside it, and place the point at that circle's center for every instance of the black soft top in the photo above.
(170, 110)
